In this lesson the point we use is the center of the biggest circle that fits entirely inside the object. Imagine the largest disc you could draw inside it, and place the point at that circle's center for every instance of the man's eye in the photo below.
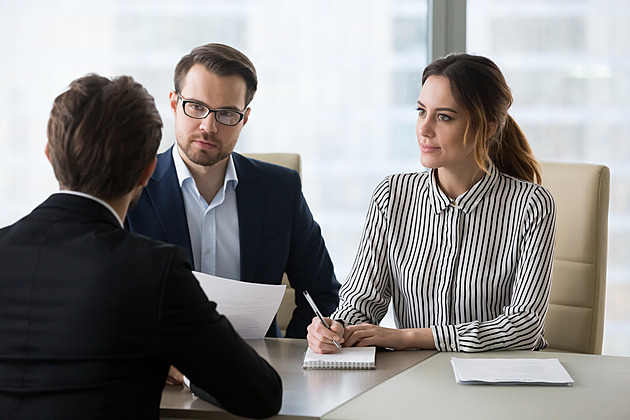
(197, 107)
(227, 113)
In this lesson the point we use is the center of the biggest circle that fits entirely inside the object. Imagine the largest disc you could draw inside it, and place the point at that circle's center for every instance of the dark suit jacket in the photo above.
(91, 317)
(277, 232)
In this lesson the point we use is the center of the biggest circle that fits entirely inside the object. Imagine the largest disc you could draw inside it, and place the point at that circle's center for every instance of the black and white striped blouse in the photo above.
(477, 270)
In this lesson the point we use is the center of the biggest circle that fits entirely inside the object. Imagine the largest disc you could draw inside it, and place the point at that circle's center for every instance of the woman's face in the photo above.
(440, 128)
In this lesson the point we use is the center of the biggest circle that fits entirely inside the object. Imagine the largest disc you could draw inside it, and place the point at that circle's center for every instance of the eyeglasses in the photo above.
(199, 111)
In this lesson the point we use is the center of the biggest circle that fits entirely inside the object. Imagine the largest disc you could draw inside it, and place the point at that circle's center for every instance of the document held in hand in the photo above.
(510, 371)
(250, 307)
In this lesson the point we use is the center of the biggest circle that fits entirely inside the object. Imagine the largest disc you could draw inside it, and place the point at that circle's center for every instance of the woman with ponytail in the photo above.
(464, 250)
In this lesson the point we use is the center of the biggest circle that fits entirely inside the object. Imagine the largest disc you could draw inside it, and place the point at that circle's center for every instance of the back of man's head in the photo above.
(102, 134)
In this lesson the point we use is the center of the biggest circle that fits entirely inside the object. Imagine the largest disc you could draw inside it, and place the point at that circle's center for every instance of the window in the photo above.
(567, 65)
(345, 75)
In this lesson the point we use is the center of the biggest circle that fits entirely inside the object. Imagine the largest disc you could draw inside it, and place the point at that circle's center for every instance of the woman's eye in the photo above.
(444, 117)
(421, 112)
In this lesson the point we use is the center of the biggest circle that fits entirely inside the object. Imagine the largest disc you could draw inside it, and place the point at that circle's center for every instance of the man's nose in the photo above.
(209, 124)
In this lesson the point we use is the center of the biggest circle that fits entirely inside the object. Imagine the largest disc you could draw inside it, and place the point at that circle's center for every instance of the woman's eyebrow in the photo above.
(439, 109)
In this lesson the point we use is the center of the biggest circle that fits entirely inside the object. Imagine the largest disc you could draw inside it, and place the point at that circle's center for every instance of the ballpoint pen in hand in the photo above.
(319, 315)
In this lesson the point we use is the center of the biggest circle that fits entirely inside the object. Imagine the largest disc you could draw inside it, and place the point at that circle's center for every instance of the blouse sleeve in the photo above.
(520, 325)
(365, 295)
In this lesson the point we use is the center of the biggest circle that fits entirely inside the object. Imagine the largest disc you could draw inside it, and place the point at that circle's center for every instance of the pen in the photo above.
(319, 315)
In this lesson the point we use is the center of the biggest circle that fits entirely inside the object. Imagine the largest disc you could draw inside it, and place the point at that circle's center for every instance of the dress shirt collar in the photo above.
(469, 199)
(98, 200)
(183, 173)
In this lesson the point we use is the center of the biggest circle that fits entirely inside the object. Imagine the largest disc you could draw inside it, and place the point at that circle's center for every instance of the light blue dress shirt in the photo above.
(213, 228)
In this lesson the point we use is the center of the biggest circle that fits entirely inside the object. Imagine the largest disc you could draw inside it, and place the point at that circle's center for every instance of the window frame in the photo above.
(446, 27)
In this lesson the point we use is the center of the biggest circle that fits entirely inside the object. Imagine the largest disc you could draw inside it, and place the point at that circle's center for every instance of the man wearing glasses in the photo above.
(236, 217)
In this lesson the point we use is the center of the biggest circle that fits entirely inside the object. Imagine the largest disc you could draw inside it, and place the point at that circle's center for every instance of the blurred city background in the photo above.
(338, 83)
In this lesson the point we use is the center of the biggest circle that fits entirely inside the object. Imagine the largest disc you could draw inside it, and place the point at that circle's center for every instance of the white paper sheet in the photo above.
(250, 307)
(510, 371)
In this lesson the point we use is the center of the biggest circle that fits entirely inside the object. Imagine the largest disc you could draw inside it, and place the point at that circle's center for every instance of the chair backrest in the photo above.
(575, 320)
(288, 160)
(293, 161)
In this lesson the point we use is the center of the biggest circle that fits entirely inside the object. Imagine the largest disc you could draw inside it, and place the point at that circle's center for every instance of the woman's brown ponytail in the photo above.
(478, 85)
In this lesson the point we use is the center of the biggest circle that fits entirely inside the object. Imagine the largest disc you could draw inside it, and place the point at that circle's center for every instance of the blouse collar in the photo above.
(469, 199)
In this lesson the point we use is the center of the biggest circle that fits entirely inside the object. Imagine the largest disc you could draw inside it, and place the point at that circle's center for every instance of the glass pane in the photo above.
(344, 76)
(568, 66)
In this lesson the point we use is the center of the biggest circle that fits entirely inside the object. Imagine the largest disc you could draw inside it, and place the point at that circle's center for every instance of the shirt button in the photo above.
(454, 203)
(207, 251)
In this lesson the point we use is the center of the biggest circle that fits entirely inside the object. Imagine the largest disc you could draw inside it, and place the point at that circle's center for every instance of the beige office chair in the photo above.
(575, 321)
(293, 161)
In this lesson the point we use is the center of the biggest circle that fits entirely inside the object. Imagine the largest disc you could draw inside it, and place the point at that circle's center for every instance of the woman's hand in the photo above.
(320, 339)
(364, 335)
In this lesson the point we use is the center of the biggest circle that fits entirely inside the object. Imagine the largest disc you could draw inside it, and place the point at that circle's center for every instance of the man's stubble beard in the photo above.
(201, 158)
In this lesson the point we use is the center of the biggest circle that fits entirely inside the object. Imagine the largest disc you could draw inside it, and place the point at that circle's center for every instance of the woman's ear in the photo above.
(491, 129)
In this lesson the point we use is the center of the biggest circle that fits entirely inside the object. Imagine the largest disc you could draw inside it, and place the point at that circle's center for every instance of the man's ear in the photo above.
(173, 99)
(246, 117)
(147, 172)
(47, 153)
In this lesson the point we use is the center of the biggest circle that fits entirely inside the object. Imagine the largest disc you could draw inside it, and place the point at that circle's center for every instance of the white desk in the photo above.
(429, 391)
(307, 394)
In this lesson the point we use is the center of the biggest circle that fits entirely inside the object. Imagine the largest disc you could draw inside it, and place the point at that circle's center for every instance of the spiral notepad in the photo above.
(346, 358)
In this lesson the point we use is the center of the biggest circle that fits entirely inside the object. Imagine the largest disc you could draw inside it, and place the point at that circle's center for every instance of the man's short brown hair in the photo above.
(221, 60)
(102, 134)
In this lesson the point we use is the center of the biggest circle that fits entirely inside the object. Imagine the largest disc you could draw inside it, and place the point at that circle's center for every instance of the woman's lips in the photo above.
(425, 148)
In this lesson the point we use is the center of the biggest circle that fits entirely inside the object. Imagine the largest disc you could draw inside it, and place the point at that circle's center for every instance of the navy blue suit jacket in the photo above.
(277, 232)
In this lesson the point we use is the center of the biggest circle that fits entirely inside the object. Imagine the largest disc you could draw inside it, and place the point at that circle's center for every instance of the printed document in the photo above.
(250, 307)
(510, 371)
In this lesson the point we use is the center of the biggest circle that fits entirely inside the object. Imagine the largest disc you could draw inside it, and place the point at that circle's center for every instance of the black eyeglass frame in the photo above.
(210, 110)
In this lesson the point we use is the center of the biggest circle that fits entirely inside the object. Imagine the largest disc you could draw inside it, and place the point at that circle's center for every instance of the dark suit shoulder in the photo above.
(160, 213)
(154, 249)
(164, 165)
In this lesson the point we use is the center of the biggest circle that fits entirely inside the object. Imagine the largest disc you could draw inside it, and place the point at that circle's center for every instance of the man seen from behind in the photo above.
(91, 315)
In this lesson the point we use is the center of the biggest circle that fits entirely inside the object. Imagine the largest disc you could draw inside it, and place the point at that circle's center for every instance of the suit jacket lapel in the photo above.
(165, 194)
(250, 193)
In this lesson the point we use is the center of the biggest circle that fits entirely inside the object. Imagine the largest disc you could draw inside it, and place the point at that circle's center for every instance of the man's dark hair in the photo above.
(102, 134)
(221, 60)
